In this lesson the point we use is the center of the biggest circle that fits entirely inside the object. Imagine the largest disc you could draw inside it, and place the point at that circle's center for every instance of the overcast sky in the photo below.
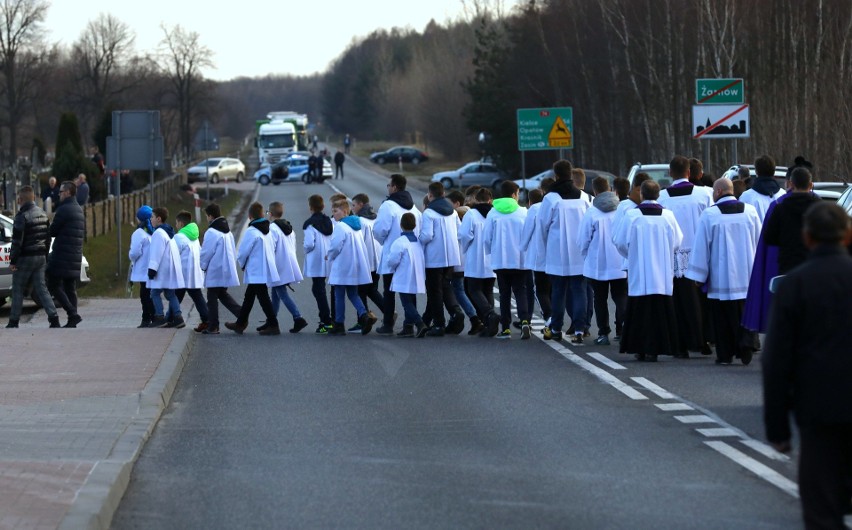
(257, 37)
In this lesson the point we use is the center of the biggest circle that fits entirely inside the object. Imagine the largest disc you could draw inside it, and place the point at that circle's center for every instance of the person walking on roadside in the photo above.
(783, 228)
(478, 273)
(256, 256)
(339, 159)
(347, 143)
(140, 243)
(28, 257)
(190, 259)
(807, 368)
(219, 263)
(532, 245)
(287, 264)
(63, 264)
(165, 273)
(318, 229)
(362, 208)
(407, 262)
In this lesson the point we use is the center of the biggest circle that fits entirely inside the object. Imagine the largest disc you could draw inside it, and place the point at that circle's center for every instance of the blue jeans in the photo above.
(457, 283)
(280, 294)
(174, 305)
(563, 290)
(341, 292)
(409, 305)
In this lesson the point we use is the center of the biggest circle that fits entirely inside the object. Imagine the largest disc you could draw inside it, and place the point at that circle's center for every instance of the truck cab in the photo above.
(275, 140)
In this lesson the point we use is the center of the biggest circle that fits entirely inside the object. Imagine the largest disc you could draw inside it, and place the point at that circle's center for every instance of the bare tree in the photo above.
(20, 38)
(184, 57)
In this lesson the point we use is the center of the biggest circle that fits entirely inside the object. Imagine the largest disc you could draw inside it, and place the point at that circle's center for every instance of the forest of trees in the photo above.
(627, 67)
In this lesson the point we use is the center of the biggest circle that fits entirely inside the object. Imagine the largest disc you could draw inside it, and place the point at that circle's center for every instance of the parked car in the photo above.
(658, 172)
(275, 174)
(218, 169)
(535, 181)
(298, 166)
(780, 173)
(845, 200)
(472, 173)
(406, 153)
(6, 225)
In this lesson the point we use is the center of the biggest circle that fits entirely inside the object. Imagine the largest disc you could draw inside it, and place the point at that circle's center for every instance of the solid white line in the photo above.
(773, 477)
(695, 418)
(766, 450)
(718, 432)
(661, 392)
(671, 407)
(603, 359)
(332, 186)
(604, 376)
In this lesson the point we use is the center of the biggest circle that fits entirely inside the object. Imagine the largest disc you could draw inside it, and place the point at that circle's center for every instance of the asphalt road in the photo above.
(308, 431)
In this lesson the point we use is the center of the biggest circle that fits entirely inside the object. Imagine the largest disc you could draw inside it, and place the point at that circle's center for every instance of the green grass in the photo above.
(101, 252)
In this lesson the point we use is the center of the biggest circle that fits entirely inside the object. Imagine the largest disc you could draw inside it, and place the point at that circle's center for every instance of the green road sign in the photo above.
(540, 129)
(719, 91)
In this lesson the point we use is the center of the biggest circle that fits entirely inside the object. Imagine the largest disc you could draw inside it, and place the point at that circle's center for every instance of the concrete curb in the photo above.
(98, 499)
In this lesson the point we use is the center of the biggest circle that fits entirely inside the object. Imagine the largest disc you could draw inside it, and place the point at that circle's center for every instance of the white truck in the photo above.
(275, 140)
(299, 121)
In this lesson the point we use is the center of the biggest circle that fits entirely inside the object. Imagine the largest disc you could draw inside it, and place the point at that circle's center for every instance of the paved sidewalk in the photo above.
(76, 406)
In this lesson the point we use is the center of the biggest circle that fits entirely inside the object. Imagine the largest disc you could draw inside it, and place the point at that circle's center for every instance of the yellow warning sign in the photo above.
(560, 135)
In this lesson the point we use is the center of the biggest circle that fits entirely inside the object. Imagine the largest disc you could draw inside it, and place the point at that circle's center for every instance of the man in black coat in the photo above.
(784, 227)
(51, 191)
(807, 367)
(63, 264)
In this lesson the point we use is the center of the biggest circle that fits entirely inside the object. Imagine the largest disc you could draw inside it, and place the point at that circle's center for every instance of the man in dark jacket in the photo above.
(63, 265)
(27, 257)
(807, 367)
(51, 191)
(784, 227)
(339, 159)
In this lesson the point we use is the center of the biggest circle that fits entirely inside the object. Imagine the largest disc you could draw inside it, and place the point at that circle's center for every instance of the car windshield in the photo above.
(660, 175)
(277, 141)
(210, 162)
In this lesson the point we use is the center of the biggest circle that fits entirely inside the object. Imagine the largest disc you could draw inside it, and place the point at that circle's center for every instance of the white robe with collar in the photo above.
(140, 243)
(532, 242)
(687, 210)
(347, 255)
(256, 256)
(648, 242)
(477, 261)
(407, 262)
(164, 257)
(386, 228)
(759, 201)
(559, 221)
(219, 259)
(190, 261)
(603, 262)
(285, 256)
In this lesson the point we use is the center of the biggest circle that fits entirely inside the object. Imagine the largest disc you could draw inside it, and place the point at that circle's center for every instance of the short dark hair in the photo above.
(69, 186)
(621, 186)
(640, 178)
(743, 173)
(362, 198)
(801, 178)
(679, 167)
(255, 210)
(650, 190)
(826, 222)
(436, 189)
(484, 195)
(184, 217)
(508, 188)
(276, 209)
(398, 181)
(456, 196)
(600, 185)
(213, 210)
(316, 203)
(695, 168)
(579, 177)
(764, 166)
(535, 196)
(161, 212)
(562, 169)
(408, 222)
(546, 184)
(471, 190)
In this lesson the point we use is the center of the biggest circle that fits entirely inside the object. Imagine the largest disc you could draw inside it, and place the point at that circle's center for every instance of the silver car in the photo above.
(218, 169)
(472, 173)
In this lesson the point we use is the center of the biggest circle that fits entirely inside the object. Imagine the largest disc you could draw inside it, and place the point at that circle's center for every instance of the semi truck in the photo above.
(275, 140)
(299, 121)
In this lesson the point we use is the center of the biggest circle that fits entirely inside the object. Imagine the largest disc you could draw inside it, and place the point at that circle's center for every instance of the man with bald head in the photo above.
(722, 257)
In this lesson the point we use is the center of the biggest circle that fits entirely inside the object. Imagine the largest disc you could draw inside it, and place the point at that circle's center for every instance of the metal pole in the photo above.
(206, 162)
(118, 168)
(734, 156)
(151, 166)
(705, 144)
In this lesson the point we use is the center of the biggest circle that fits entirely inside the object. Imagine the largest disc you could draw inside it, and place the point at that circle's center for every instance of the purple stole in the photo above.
(651, 209)
(758, 299)
(680, 189)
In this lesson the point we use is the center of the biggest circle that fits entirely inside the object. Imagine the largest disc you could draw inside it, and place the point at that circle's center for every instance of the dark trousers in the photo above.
(512, 281)
(318, 290)
(389, 305)
(688, 310)
(726, 316)
(542, 293)
(261, 292)
(439, 294)
(338, 169)
(371, 291)
(409, 306)
(481, 293)
(825, 474)
(65, 292)
(214, 296)
(197, 299)
(147, 303)
(602, 291)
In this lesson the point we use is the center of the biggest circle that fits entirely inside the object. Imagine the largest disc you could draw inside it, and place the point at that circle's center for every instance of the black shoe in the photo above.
(159, 322)
(456, 324)
(384, 329)
(723, 362)
(337, 329)
(525, 330)
(54, 322)
(145, 324)
(298, 325)
(476, 326)
(177, 322)
(746, 355)
(11, 324)
(262, 326)
(421, 330)
(492, 323)
(367, 320)
(436, 331)
(705, 349)
(271, 329)
(73, 320)
(407, 332)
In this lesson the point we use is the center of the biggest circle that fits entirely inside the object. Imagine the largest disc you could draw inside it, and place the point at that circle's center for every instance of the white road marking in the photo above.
(332, 186)
(765, 450)
(695, 418)
(773, 477)
(718, 432)
(661, 392)
(603, 359)
(671, 407)
(603, 375)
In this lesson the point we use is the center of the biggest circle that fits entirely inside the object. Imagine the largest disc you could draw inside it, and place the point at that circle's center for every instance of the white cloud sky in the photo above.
(257, 37)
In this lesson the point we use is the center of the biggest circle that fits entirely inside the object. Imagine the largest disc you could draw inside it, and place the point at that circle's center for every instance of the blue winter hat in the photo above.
(144, 213)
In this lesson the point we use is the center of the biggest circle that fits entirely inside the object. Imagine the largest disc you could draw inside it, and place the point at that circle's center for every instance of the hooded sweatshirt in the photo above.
(190, 250)
(483, 208)
(505, 205)
(261, 224)
(220, 224)
(439, 234)
(190, 231)
(352, 221)
(602, 260)
(502, 234)
(766, 186)
(284, 225)
(566, 189)
(167, 229)
(367, 212)
(606, 201)
(442, 206)
(256, 254)
(402, 198)
(321, 222)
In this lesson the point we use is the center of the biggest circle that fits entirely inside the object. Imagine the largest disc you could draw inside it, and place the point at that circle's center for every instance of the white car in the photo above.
(299, 168)
(658, 172)
(6, 226)
(531, 183)
(218, 169)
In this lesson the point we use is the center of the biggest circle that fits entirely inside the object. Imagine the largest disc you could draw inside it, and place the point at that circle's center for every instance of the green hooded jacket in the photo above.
(506, 205)
(190, 231)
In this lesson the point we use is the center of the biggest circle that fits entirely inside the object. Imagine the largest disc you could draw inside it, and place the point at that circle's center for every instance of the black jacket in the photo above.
(69, 229)
(783, 229)
(30, 233)
(807, 359)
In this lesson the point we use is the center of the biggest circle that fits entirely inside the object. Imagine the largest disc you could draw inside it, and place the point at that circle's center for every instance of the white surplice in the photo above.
(648, 242)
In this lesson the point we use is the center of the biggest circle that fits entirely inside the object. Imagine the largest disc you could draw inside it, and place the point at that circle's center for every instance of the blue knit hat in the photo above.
(144, 215)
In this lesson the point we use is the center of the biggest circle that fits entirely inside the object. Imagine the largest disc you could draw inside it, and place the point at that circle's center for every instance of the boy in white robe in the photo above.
(218, 261)
(140, 243)
(722, 258)
(284, 243)
(407, 263)
(362, 208)
(318, 229)
(478, 273)
(764, 189)
(190, 259)
(165, 273)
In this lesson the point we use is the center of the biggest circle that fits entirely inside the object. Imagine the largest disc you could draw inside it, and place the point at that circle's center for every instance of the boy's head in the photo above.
(650, 190)
(436, 190)
(359, 201)
(316, 203)
(621, 186)
(535, 196)
(579, 178)
(182, 219)
(407, 222)
(600, 185)
(509, 189)
(339, 209)
(255, 211)
(397, 183)
(562, 169)
(276, 210)
(159, 216)
(636, 191)
(679, 167)
(546, 184)
(484, 196)
(337, 197)
(456, 197)
(213, 211)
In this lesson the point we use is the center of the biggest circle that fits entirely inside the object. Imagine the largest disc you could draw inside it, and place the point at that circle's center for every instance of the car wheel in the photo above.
(416, 160)
(239, 177)
(214, 178)
(380, 161)
(264, 180)
(447, 183)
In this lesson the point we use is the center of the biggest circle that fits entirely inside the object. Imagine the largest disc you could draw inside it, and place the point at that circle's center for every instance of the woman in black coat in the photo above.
(63, 264)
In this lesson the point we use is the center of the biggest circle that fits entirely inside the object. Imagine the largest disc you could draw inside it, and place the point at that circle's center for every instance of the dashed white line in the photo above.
(773, 477)
(603, 359)
(603, 375)
(695, 418)
(673, 407)
(765, 450)
(659, 391)
(718, 432)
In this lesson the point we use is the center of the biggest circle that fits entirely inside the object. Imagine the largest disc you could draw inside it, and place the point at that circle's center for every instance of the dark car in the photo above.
(407, 154)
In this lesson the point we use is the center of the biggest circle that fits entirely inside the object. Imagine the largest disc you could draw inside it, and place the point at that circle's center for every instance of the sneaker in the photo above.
(421, 330)
(272, 329)
(525, 330)
(73, 320)
(476, 326)
(354, 329)
(492, 324)
(262, 326)
(236, 327)
(337, 329)
(407, 332)
(54, 321)
(210, 331)
(321, 330)
(11, 324)
(177, 322)
(577, 339)
(200, 327)
(159, 321)
(367, 322)
(298, 325)
(505, 334)
(384, 329)
(436, 331)
(145, 324)
(550, 334)
(602, 340)
(456, 324)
